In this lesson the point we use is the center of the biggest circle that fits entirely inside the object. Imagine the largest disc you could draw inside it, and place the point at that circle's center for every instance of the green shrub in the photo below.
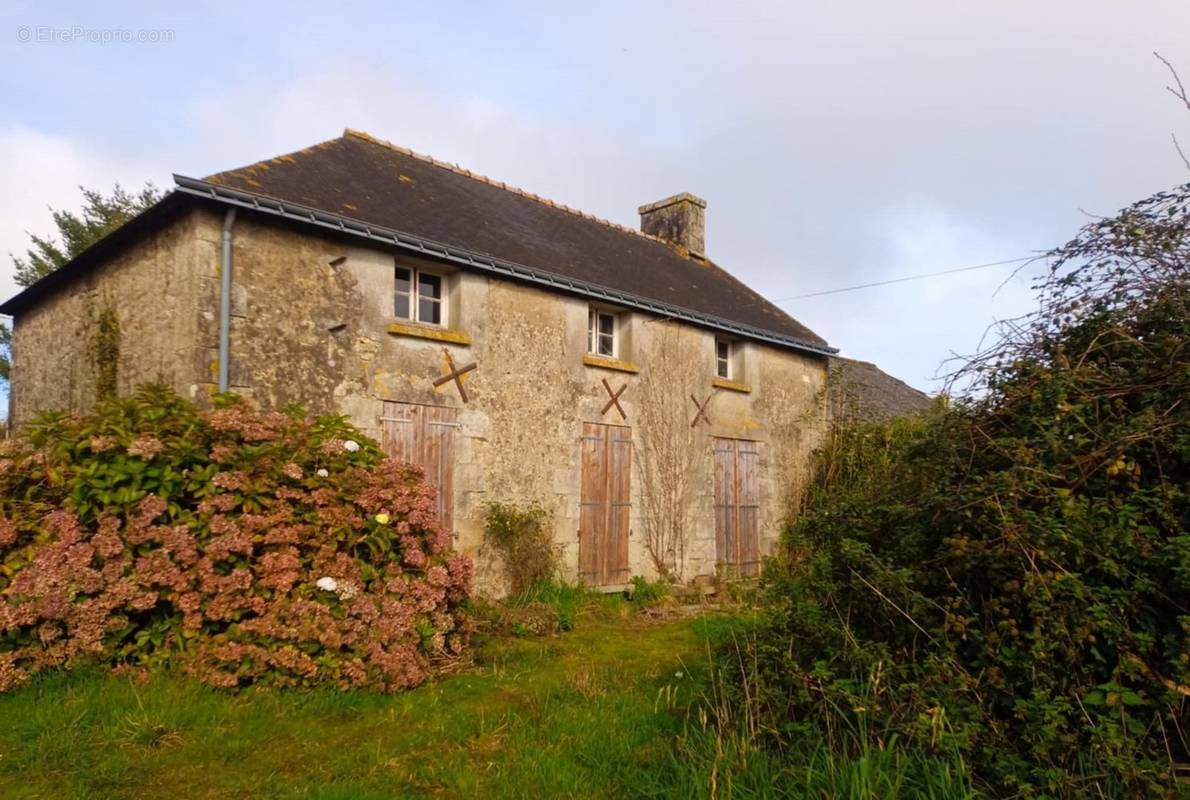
(1008, 578)
(646, 593)
(523, 537)
(565, 600)
(245, 546)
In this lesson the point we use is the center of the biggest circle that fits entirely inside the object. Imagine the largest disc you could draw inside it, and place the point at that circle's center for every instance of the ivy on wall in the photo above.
(107, 353)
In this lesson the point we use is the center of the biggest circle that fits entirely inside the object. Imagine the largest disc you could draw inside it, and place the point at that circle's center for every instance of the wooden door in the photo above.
(604, 504)
(424, 435)
(737, 505)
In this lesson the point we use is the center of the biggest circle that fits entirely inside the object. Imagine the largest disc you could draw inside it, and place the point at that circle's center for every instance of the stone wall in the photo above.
(153, 288)
(312, 324)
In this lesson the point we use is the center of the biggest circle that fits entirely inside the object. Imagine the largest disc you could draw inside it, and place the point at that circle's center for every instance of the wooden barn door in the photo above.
(424, 435)
(737, 505)
(604, 504)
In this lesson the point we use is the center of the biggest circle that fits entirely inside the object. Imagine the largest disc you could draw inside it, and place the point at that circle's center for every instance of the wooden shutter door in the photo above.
(399, 424)
(592, 516)
(424, 435)
(725, 517)
(747, 465)
(737, 505)
(438, 458)
(619, 503)
(604, 503)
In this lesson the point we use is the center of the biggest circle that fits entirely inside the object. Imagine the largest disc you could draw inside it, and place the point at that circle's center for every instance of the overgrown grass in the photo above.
(726, 751)
(548, 606)
(570, 600)
(647, 593)
(705, 765)
(608, 710)
(551, 717)
(567, 600)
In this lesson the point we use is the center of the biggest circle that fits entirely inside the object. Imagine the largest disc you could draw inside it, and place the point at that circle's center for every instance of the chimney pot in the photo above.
(680, 219)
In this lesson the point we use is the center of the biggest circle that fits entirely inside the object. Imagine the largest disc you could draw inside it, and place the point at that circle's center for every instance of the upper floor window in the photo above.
(417, 296)
(601, 333)
(723, 359)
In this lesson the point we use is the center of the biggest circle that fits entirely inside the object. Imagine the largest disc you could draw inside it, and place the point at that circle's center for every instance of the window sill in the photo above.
(417, 331)
(731, 386)
(610, 363)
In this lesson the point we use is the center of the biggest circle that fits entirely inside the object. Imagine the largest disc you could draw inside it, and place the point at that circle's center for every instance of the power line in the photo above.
(1021, 260)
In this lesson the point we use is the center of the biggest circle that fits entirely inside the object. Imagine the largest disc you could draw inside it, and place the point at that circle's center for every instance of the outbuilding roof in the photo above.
(861, 390)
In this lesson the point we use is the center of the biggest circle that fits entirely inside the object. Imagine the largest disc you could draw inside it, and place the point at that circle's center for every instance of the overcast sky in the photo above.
(837, 143)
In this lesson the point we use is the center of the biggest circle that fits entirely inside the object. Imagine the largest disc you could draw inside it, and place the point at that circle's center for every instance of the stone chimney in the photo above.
(680, 219)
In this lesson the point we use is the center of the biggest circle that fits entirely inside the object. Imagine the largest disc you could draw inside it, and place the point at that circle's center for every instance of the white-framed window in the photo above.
(723, 359)
(601, 332)
(418, 296)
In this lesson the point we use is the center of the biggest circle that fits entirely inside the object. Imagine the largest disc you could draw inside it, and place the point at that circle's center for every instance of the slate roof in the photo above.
(378, 183)
(359, 185)
(861, 390)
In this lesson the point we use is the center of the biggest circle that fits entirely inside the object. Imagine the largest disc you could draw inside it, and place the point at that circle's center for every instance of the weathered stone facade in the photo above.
(312, 323)
(153, 286)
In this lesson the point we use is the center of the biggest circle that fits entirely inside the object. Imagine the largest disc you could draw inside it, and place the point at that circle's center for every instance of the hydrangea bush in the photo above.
(244, 546)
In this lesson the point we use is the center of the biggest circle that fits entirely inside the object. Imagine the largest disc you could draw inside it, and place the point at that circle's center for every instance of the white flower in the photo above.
(678, 674)
(322, 473)
(351, 446)
(327, 584)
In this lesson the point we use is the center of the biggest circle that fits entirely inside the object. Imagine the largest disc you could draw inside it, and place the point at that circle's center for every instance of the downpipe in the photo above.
(229, 220)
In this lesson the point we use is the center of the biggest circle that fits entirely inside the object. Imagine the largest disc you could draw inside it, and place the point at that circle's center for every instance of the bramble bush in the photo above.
(1008, 579)
(243, 546)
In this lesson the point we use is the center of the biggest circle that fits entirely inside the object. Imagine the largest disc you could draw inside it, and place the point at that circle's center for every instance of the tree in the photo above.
(5, 343)
(100, 215)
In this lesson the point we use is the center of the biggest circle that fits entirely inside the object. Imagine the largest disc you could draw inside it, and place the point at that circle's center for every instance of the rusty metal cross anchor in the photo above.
(455, 374)
(702, 411)
(615, 399)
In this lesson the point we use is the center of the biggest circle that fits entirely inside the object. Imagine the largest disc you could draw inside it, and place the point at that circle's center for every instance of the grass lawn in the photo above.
(591, 713)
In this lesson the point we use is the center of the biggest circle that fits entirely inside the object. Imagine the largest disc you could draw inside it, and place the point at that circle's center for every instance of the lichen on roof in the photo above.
(367, 137)
(861, 390)
(378, 183)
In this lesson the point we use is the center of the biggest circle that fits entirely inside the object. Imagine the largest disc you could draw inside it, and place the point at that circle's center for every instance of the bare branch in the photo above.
(1178, 147)
(1179, 92)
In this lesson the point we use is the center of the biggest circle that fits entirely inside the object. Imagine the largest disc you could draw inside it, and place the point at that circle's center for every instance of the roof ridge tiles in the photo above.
(367, 137)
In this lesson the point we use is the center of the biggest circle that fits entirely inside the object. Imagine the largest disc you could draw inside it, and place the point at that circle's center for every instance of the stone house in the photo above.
(517, 349)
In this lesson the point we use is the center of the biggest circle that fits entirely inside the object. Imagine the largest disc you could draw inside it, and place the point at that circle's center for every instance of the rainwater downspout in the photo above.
(225, 302)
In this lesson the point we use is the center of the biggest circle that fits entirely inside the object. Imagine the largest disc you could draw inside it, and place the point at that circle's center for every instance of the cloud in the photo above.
(45, 171)
(583, 165)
